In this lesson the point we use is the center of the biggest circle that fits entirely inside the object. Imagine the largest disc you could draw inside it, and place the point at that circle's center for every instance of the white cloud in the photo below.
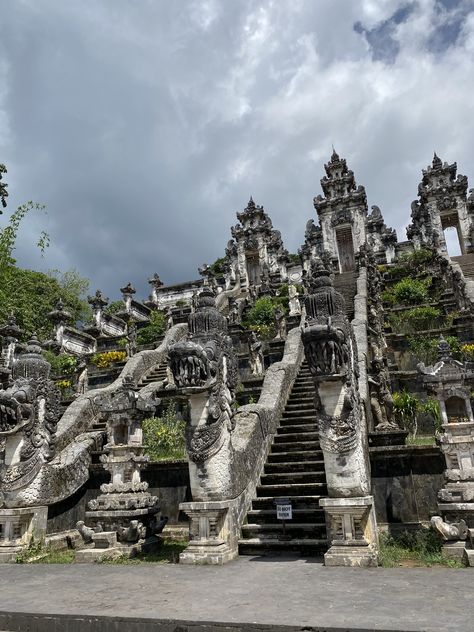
(151, 124)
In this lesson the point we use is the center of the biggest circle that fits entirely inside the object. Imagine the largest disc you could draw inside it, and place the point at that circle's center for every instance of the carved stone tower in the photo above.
(342, 213)
(442, 204)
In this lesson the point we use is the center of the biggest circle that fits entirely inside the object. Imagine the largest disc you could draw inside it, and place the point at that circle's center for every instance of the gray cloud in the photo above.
(145, 126)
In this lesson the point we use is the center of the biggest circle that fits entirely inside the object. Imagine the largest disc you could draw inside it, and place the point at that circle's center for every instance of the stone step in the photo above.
(295, 529)
(297, 437)
(295, 446)
(269, 516)
(295, 421)
(293, 466)
(303, 387)
(303, 546)
(299, 404)
(292, 478)
(285, 490)
(297, 455)
(307, 502)
(297, 428)
(304, 396)
(298, 412)
(305, 415)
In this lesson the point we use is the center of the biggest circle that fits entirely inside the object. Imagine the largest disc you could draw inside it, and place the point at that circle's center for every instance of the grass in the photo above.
(56, 557)
(420, 440)
(38, 553)
(421, 548)
(168, 553)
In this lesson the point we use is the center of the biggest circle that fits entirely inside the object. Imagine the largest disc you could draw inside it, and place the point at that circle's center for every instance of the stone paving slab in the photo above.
(276, 591)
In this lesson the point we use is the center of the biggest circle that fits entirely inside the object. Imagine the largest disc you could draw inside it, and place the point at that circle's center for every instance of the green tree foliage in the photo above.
(425, 348)
(217, 268)
(114, 307)
(32, 295)
(410, 291)
(62, 364)
(154, 330)
(74, 289)
(3, 187)
(163, 437)
(416, 319)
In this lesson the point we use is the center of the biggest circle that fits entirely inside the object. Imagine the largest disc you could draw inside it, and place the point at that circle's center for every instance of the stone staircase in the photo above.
(157, 374)
(467, 264)
(294, 470)
(346, 284)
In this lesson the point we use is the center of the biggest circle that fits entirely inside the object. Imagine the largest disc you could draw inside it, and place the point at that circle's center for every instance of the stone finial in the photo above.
(128, 289)
(444, 349)
(31, 363)
(437, 162)
(155, 281)
(98, 300)
(59, 314)
(10, 329)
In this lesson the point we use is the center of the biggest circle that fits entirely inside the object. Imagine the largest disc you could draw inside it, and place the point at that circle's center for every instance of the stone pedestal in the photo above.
(18, 527)
(352, 532)
(210, 532)
(387, 437)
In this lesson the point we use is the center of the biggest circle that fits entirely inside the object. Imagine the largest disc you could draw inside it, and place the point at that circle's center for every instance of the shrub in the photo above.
(181, 302)
(64, 385)
(416, 319)
(294, 259)
(425, 349)
(62, 364)
(422, 546)
(406, 408)
(431, 407)
(114, 308)
(163, 437)
(417, 259)
(410, 291)
(468, 352)
(261, 316)
(105, 359)
(217, 268)
(156, 328)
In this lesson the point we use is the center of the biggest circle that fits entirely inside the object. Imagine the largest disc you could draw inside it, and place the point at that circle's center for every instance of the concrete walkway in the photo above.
(278, 591)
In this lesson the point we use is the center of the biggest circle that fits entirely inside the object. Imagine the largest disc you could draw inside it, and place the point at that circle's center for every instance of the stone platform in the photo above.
(247, 594)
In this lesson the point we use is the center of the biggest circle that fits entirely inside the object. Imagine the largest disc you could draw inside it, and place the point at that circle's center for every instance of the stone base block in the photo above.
(454, 550)
(105, 539)
(352, 531)
(84, 556)
(8, 554)
(207, 554)
(387, 437)
(469, 557)
(361, 556)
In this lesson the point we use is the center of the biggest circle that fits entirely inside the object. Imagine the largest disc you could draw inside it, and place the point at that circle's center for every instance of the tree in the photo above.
(32, 295)
(3, 187)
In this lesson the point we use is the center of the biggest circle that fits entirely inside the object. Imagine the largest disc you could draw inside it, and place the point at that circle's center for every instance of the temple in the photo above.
(302, 380)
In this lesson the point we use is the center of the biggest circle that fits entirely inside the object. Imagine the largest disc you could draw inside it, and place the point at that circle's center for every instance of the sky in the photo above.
(145, 125)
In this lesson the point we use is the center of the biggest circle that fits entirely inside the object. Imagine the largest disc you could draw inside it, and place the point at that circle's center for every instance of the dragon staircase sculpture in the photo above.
(331, 354)
(226, 448)
(45, 457)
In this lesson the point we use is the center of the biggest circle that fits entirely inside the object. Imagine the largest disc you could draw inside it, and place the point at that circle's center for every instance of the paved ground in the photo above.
(253, 590)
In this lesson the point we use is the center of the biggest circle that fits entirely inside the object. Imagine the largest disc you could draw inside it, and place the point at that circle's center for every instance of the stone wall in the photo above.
(405, 482)
(169, 481)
